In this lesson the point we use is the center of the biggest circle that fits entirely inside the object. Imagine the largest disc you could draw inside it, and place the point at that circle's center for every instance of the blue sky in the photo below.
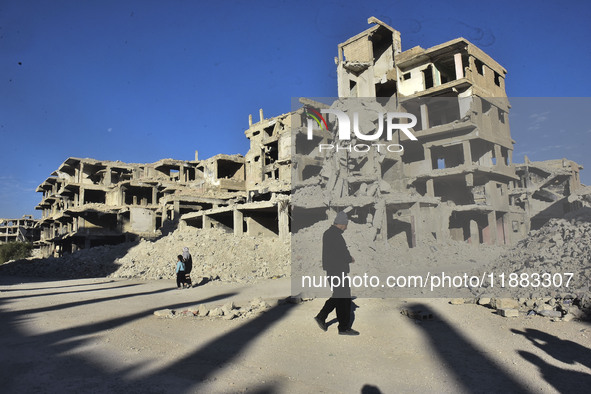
(138, 81)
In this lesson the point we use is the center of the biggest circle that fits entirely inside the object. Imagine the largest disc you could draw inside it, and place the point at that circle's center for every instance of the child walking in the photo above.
(180, 272)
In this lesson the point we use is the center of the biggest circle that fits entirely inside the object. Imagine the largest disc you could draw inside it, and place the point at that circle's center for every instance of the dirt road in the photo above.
(100, 335)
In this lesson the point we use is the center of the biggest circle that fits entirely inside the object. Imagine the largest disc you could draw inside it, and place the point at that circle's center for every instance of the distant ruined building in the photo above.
(24, 229)
(457, 182)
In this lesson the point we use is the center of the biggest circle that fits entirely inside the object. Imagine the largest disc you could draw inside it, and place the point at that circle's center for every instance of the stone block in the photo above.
(504, 303)
(203, 310)
(508, 312)
(164, 313)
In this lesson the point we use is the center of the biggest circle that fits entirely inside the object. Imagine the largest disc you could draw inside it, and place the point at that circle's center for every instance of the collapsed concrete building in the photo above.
(546, 189)
(457, 182)
(24, 229)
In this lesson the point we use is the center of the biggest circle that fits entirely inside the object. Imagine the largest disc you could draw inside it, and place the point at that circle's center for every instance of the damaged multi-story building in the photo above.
(263, 176)
(88, 202)
(24, 229)
(457, 181)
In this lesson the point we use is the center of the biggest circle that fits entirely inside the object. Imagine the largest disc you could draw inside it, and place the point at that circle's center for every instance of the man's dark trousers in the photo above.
(343, 307)
(341, 300)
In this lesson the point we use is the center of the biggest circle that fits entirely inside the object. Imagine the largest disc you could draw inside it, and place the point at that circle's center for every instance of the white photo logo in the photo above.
(345, 134)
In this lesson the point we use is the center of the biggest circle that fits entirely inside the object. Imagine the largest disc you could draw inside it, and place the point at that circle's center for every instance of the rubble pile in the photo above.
(216, 254)
(559, 308)
(389, 257)
(228, 311)
(561, 246)
(87, 263)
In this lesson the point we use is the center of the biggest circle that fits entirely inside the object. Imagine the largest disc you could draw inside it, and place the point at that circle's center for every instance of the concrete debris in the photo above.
(228, 311)
(504, 303)
(508, 312)
(560, 247)
(216, 254)
(167, 313)
(417, 314)
(550, 313)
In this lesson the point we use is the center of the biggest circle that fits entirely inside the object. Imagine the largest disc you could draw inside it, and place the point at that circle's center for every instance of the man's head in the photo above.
(341, 221)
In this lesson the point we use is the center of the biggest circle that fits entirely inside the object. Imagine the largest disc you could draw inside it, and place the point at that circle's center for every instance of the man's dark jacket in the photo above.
(335, 256)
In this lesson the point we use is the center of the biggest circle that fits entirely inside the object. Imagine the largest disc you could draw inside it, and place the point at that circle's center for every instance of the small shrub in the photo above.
(15, 250)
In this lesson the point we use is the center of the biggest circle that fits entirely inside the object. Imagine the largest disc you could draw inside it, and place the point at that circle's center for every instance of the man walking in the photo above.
(335, 261)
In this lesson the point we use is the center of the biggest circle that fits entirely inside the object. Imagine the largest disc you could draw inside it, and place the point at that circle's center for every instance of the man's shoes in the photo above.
(350, 331)
(323, 326)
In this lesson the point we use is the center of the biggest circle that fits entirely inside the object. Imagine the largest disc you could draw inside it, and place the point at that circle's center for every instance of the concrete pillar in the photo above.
(154, 195)
(459, 66)
(282, 214)
(424, 116)
(470, 179)
(430, 188)
(238, 217)
(415, 224)
(108, 179)
(413, 232)
(428, 157)
(499, 155)
(492, 227)
(177, 209)
(81, 196)
(474, 237)
(467, 153)
(206, 222)
(182, 174)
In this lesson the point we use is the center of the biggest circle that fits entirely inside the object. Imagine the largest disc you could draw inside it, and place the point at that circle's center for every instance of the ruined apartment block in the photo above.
(457, 181)
(88, 202)
(24, 229)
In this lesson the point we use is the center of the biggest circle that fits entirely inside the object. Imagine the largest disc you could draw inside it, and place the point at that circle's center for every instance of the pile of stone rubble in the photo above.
(558, 252)
(557, 308)
(228, 311)
(216, 254)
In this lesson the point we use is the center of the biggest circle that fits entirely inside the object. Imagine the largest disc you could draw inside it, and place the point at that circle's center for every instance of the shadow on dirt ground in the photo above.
(52, 362)
(478, 373)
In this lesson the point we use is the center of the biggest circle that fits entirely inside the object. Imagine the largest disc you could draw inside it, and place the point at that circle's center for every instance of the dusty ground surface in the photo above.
(100, 335)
